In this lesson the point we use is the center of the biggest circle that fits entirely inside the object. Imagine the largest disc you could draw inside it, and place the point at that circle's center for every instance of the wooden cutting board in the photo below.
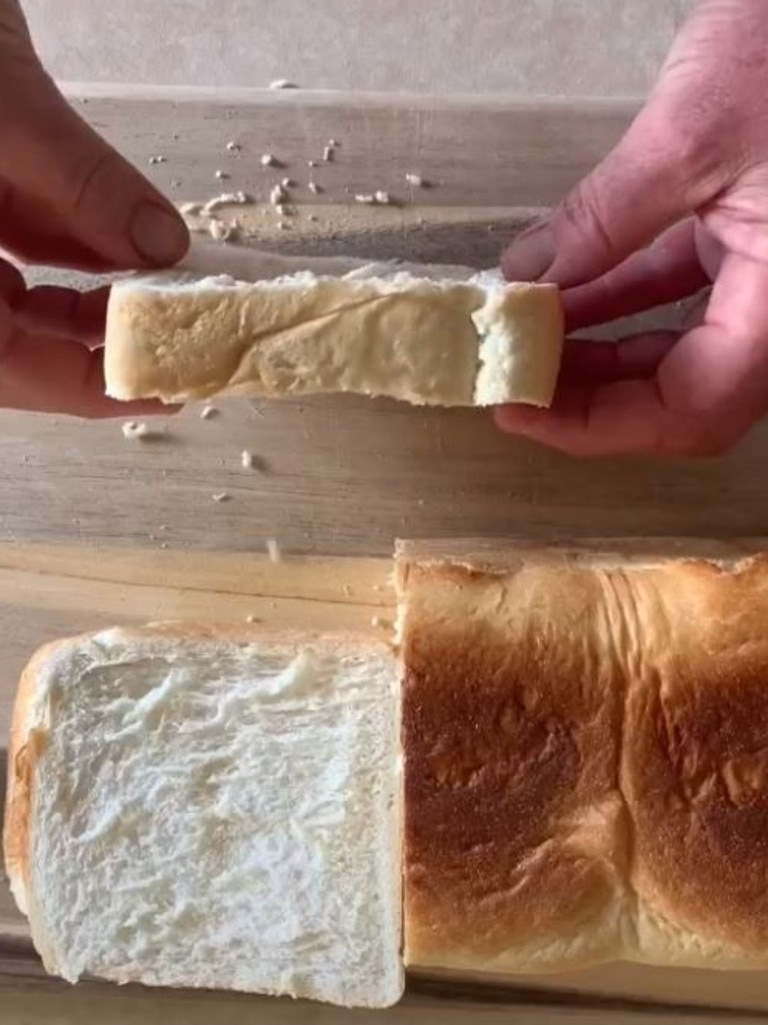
(96, 529)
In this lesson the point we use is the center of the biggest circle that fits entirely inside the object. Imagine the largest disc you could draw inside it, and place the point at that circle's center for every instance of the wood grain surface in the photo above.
(96, 529)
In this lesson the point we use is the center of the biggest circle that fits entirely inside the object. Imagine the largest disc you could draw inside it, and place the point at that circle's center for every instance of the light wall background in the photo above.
(545, 47)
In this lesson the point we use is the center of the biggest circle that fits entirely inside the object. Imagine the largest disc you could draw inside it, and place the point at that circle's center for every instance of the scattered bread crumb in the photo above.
(328, 154)
(158, 160)
(282, 83)
(221, 496)
(225, 199)
(221, 175)
(314, 188)
(332, 142)
(288, 183)
(277, 195)
(190, 208)
(313, 163)
(246, 459)
(233, 147)
(347, 590)
(175, 183)
(252, 619)
(273, 550)
(269, 160)
(382, 197)
(219, 231)
(208, 412)
(415, 180)
(134, 430)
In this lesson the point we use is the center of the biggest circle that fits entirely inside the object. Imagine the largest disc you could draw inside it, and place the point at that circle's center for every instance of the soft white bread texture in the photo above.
(202, 808)
(586, 760)
(480, 341)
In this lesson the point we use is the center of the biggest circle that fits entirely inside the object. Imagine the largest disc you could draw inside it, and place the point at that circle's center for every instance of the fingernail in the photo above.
(160, 237)
(530, 255)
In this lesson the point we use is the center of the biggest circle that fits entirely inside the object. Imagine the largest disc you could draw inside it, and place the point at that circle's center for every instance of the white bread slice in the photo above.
(211, 808)
(376, 331)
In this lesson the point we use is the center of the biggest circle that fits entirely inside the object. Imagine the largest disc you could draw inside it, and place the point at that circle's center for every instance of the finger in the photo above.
(59, 376)
(709, 390)
(32, 232)
(591, 419)
(64, 313)
(54, 156)
(654, 177)
(666, 271)
(635, 357)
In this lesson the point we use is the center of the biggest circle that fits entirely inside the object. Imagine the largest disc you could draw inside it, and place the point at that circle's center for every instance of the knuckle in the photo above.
(581, 213)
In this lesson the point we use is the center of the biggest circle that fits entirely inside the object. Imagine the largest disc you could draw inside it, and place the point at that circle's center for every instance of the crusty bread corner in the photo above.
(28, 737)
(609, 800)
(424, 341)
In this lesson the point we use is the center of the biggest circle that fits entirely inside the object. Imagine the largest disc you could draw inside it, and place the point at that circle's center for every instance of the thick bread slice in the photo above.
(211, 808)
(586, 764)
(447, 342)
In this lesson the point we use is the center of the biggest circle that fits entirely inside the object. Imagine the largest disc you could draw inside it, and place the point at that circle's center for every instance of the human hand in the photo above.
(66, 199)
(689, 181)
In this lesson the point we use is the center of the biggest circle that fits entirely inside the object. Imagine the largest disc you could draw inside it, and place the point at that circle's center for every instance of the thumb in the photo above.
(49, 153)
(651, 180)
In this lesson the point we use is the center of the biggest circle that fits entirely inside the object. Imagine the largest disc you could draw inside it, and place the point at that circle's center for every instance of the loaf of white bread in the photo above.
(433, 336)
(585, 780)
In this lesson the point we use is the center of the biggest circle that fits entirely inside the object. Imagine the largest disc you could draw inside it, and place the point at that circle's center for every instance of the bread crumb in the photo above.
(365, 197)
(218, 230)
(158, 160)
(208, 412)
(382, 197)
(190, 208)
(238, 198)
(252, 619)
(312, 217)
(332, 142)
(277, 195)
(175, 183)
(314, 188)
(379, 623)
(246, 459)
(328, 154)
(313, 163)
(221, 496)
(282, 83)
(273, 550)
(133, 430)
(233, 147)
(347, 590)
(415, 180)
(221, 175)
(288, 183)
(269, 160)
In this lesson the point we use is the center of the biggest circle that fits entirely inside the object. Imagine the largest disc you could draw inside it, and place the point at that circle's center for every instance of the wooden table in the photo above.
(96, 529)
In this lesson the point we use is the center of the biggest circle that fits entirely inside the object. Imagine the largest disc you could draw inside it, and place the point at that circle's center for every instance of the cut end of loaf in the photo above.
(423, 341)
(235, 793)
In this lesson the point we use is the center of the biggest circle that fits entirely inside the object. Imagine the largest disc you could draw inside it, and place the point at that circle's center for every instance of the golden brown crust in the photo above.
(586, 769)
(513, 819)
(695, 766)
(26, 742)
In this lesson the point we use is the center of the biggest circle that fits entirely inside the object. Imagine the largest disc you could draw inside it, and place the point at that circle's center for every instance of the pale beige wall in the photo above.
(588, 47)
